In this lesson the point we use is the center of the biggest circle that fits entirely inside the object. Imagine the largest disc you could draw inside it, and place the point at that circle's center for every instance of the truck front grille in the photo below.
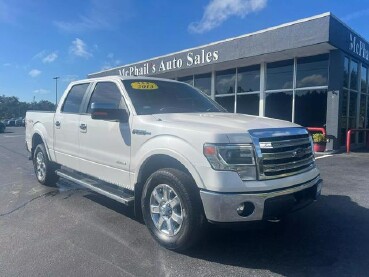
(284, 155)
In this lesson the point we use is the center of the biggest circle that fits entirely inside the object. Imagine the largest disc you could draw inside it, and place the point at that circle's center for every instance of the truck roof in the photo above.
(119, 78)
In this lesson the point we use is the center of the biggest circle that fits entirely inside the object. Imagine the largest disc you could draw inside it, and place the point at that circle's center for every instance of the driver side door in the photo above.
(105, 144)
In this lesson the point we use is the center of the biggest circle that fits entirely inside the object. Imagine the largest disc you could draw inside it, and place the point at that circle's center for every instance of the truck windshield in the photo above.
(156, 97)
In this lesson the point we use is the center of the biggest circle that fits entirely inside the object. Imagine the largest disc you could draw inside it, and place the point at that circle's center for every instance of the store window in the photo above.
(312, 71)
(248, 79)
(248, 103)
(354, 77)
(186, 79)
(203, 83)
(346, 73)
(226, 102)
(279, 105)
(311, 107)
(364, 79)
(279, 75)
(225, 82)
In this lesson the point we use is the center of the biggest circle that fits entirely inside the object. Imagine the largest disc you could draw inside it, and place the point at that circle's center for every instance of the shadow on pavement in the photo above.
(331, 237)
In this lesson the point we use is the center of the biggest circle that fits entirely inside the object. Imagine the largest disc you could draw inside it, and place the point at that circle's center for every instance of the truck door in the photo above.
(105, 144)
(66, 126)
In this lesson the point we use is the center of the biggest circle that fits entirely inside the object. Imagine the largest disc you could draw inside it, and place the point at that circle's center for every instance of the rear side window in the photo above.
(72, 103)
(106, 93)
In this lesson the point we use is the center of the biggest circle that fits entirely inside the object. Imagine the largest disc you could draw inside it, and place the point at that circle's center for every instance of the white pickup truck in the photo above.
(175, 154)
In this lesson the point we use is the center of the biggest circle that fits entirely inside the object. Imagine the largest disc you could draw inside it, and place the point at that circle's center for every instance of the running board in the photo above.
(119, 194)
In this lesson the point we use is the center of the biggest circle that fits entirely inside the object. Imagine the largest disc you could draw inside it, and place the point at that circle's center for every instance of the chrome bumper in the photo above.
(222, 207)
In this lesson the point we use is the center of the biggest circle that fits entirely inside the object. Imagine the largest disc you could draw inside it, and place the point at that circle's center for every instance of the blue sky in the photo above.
(41, 39)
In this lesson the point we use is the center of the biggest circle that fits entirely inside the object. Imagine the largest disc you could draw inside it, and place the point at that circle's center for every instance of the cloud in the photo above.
(79, 49)
(111, 62)
(50, 58)
(46, 57)
(356, 15)
(218, 11)
(69, 78)
(34, 73)
(41, 91)
(7, 64)
(98, 15)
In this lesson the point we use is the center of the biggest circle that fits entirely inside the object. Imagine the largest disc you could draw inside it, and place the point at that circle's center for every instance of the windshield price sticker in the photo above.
(144, 85)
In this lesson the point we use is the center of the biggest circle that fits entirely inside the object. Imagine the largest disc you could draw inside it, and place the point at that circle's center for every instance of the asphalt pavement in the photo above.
(71, 231)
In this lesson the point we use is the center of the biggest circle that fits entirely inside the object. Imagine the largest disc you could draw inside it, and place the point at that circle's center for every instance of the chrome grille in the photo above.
(283, 153)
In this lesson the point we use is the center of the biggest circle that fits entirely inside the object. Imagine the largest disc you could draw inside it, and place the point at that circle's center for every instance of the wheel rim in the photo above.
(40, 166)
(166, 210)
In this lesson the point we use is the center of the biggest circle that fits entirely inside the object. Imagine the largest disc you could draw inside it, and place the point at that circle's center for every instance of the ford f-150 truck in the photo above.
(175, 154)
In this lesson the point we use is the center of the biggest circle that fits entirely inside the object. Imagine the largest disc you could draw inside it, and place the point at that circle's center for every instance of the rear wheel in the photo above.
(44, 168)
(172, 209)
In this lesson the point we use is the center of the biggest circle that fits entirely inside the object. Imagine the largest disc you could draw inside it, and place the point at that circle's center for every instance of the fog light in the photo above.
(245, 209)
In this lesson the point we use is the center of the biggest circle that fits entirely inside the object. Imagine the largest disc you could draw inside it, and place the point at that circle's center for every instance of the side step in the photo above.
(112, 191)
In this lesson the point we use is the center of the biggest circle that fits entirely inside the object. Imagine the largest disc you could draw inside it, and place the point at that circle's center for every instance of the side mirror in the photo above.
(107, 111)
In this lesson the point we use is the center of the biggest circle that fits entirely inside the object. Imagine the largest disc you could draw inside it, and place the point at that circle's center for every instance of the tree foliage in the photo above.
(11, 107)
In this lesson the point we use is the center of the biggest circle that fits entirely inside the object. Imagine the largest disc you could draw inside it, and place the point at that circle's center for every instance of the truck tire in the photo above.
(44, 168)
(172, 209)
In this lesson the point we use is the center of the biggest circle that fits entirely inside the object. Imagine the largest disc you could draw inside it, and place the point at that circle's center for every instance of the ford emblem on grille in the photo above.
(298, 153)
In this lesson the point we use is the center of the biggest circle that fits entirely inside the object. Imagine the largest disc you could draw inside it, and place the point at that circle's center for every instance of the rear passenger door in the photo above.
(66, 126)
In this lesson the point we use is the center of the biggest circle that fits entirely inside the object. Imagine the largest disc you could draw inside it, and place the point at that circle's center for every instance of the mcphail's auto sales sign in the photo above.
(359, 47)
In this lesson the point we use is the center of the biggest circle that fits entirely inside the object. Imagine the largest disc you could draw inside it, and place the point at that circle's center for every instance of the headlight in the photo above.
(232, 157)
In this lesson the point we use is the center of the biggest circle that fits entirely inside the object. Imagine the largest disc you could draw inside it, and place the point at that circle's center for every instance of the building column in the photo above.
(335, 85)
(262, 89)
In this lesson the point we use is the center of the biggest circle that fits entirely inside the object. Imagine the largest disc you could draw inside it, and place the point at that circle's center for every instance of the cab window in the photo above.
(72, 103)
(106, 93)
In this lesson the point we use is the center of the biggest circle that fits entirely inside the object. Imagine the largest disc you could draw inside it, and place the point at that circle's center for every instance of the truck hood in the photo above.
(225, 121)
(235, 126)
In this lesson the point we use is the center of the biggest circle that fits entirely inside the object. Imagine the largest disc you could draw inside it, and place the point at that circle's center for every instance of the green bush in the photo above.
(319, 138)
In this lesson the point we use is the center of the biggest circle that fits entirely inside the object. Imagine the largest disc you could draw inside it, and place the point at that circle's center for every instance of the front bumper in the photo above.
(225, 207)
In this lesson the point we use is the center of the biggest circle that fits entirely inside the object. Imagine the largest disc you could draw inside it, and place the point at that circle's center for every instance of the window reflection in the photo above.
(226, 102)
(248, 104)
(225, 81)
(354, 78)
(311, 108)
(279, 105)
(312, 71)
(187, 79)
(346, 73)
(364, 81)
(279, 75)
(248, 79)
(203, 83)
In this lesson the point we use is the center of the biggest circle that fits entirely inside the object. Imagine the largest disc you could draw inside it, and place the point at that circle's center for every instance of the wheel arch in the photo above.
(152, 164)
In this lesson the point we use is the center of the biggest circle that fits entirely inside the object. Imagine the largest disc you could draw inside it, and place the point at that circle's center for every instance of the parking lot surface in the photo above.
(71, 231)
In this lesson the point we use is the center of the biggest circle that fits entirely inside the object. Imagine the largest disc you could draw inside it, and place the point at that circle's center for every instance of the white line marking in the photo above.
(325, 156)
(13, 136)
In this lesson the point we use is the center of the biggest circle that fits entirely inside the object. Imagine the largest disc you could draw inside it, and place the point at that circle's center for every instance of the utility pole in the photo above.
(56, 91)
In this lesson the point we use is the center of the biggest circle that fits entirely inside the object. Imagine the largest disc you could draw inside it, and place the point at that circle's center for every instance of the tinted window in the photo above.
(248, 79)
(279, 105)
(74, 99)
(187, 79)
(354, 75)
(248, 104)
(279, 75)
(106, 93)
(225, 81)
(203, 83)
(226, 102)
(364, 82)
(312, 71)
(155, 97)
(346, 73)
(311, 108)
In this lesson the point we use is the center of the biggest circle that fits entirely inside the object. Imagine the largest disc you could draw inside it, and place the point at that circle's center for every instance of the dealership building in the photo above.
(313, 72)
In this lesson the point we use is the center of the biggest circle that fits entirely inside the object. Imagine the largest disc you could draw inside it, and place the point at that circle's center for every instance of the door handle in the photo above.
(57, 123)
(83, 126)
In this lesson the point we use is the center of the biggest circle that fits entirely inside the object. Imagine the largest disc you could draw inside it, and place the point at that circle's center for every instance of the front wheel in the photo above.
(44, 168)
(172, 209)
